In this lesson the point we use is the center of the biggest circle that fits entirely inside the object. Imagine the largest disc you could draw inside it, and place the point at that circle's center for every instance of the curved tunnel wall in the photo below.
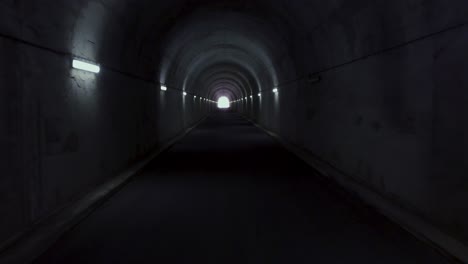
(388, 109)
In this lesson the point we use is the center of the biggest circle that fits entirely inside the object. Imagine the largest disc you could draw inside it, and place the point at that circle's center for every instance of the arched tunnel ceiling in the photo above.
(213, 37)
(238, 78)
(163, 41)
(170, 41)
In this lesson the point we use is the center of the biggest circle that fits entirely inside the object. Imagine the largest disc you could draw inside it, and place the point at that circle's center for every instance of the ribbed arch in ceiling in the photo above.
(154, 40)
(217, 57)
(220, 92)
(228, 84)
(231, 71)
(234, 91)
(194, 78)
(227, 73)
(208, 39)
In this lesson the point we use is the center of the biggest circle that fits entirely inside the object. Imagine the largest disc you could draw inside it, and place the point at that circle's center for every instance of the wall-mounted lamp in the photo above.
(259, 94)
(275, 90)
(86, 66)
(163, 87)
(184, 93)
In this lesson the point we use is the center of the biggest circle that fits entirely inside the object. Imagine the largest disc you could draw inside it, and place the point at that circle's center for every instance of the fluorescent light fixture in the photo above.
(275, 90)
(163, 87)
(85, 66)
(185, 93)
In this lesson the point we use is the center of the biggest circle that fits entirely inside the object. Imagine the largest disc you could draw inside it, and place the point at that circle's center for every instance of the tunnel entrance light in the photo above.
(163, 87)
(223, 103)
(85, 66)
(275, 90)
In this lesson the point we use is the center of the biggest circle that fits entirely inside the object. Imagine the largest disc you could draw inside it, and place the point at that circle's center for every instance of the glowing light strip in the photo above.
(85, 66)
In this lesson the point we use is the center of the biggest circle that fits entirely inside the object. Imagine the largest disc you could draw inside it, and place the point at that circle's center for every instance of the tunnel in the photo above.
(233, 131)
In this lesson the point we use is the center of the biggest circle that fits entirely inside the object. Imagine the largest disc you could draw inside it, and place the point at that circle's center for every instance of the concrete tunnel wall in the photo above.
(388, 110)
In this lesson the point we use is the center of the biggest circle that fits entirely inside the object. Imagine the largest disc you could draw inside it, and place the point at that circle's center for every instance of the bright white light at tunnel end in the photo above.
(224, 103)
(85, 66)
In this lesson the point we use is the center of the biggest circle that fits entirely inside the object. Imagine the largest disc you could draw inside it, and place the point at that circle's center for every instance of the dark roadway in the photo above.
(228, 193)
